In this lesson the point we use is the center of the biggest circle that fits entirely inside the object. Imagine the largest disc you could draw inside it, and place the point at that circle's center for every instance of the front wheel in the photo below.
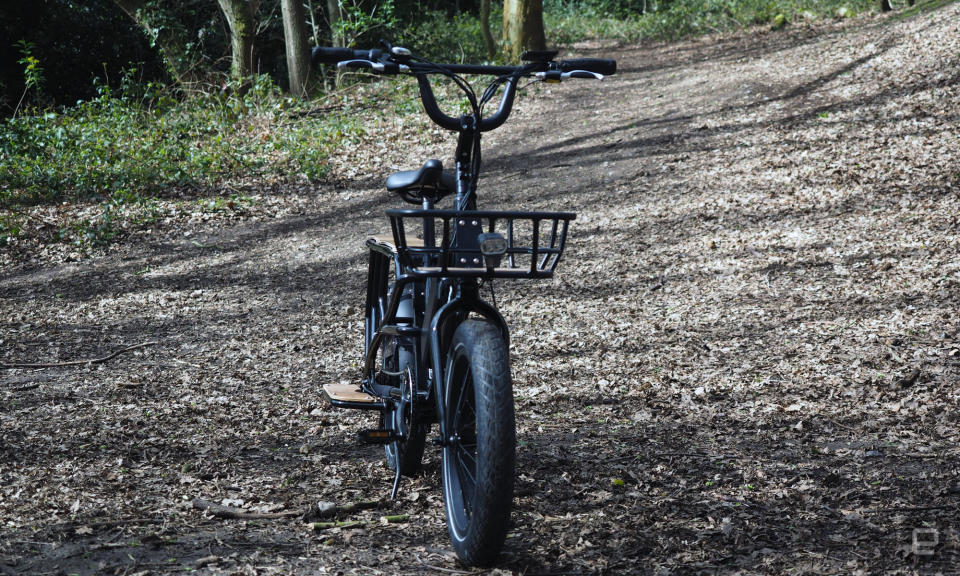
(479, 454)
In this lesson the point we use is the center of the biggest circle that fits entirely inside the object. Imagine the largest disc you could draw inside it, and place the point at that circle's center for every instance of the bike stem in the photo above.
(468, 142)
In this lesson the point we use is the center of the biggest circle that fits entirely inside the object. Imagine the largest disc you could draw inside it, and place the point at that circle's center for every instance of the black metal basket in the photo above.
(535, 242)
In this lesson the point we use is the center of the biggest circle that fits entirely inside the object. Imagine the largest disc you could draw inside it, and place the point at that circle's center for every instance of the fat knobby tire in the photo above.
(478, 364)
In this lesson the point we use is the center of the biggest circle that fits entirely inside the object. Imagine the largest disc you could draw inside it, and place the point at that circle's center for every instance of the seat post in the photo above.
(429, 237)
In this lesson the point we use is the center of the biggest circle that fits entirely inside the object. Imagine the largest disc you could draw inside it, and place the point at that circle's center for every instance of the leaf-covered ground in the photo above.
(748, 361)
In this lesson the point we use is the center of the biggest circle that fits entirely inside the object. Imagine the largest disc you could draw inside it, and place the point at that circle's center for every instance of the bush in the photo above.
(141, 142)
(444, 38)
(569, 21)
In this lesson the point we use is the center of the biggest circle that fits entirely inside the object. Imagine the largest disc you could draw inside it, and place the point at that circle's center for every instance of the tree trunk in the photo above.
(334, 15)
(169, 39)
(295, 39)
(485, 28)
(523, 26)
(240, 19)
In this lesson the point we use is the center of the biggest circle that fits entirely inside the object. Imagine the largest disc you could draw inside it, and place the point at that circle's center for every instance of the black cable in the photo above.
(457, 79)
(476, 106)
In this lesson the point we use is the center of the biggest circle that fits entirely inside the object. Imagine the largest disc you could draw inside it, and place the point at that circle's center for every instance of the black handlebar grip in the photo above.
(605, 66)
(325, 55)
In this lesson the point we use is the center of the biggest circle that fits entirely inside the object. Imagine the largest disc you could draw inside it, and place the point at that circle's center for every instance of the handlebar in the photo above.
(333, 55)
(397, 60)
(487, 123)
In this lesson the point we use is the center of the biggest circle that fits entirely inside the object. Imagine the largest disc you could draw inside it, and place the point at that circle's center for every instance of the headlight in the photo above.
(493, 246)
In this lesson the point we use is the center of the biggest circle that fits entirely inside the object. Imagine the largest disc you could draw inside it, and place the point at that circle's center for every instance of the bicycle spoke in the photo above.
(465, 382)
(467, 466)
(468, 458)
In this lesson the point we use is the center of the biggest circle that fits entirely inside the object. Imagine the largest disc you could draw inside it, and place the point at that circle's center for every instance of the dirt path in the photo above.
(749, 361)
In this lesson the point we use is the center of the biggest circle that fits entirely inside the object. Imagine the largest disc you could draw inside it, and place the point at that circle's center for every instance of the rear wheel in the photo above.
(407, 452)
(393, 371)
(479, 455)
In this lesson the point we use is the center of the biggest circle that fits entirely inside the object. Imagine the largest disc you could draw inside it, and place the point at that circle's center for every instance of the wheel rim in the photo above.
(460, 456)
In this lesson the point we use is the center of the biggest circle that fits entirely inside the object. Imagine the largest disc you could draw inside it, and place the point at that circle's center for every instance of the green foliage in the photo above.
(130, 147)
(566, 22)
(74, 41)
(362, 21)
(442, 37)
(188, 25)
(569, 21)
(32, 71)
(140, 141)
(913, 9)
(9, 228)
(436, 34)
(99, 230)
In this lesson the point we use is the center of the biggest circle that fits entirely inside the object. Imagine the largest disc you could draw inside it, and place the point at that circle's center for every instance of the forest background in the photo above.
(105, 105)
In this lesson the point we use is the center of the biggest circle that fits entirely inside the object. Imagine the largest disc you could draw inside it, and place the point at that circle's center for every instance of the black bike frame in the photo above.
(447, 300)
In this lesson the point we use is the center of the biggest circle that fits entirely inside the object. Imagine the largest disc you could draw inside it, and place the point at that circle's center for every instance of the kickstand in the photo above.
(396, 481)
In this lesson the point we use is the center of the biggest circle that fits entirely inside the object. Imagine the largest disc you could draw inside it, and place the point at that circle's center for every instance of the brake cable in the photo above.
(475, 106)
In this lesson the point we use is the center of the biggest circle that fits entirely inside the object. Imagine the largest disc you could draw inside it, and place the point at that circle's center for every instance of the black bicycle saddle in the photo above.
(429, 180)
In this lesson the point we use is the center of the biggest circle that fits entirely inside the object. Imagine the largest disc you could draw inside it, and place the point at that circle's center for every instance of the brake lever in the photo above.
(555, 76)
(583, 74)
(375, 66)
(361, 64)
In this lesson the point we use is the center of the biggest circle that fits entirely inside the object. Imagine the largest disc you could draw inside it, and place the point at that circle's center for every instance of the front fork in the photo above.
(465, 301)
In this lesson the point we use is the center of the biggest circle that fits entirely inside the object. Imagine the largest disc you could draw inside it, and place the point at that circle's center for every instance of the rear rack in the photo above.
(535, 242)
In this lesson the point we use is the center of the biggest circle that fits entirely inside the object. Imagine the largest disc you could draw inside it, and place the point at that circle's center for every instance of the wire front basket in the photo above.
(535, 242)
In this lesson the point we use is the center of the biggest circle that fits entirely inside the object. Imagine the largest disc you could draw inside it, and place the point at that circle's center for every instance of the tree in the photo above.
(485, 28)
(295, 40)
(240, 15)
(169, 37)
(334, 15)
(523, 26)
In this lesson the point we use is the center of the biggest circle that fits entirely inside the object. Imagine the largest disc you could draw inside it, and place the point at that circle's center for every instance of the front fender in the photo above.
(442, 326)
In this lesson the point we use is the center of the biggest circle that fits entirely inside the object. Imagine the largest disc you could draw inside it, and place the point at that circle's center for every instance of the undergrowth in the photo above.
(569, 21)
(131, 145)
(143, 143)
(126, 148)
(442, 38)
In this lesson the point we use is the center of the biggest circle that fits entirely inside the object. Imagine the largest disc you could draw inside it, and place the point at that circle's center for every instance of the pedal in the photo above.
(351, 396)
(376, 436)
